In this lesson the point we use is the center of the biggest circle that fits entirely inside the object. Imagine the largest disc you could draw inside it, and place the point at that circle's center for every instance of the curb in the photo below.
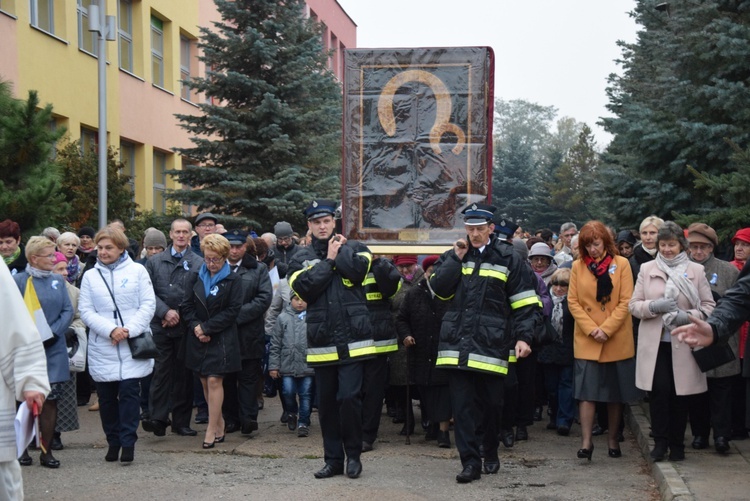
(671, 486)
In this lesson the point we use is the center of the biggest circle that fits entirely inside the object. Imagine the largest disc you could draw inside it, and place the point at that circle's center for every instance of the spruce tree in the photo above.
(268, 138)
(685, 88)
(30, 190)
(575, 187)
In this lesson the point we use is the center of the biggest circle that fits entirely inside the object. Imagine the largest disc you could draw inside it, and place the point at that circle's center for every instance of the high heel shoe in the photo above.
(586, 453)
(209, 445)
(219, 440)
(615, 453)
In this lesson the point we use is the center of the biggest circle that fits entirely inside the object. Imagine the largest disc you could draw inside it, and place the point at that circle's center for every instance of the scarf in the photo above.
(651, 252)
(210, 281)
(13, 256)
(73, 266)
(117, 263)
(677, 282)
(557, 314)
(37, 273)
(603, 280)
(547, 274)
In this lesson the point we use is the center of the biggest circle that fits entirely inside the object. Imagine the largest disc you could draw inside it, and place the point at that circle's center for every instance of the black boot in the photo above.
(659, 452)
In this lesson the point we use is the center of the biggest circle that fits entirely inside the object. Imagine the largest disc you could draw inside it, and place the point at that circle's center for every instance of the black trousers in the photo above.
(712, 409)
(477, 402)
(374, 381)
(668, 410)
(340, 410)
(171, 384)
(526, 374)
(240, 405)
(510, 398)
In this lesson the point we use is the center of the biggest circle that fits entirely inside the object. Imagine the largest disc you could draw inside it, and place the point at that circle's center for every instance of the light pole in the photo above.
(106, 28)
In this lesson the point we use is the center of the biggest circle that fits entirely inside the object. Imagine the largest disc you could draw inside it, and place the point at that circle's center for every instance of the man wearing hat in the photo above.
(205, 224)
(240, 406)
(328, 275)
(285, 246)
(713, 409)
(172, 382)
(494, 309)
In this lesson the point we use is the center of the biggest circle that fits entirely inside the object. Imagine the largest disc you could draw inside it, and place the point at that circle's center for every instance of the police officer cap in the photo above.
(476, 214)
(236, 237)
(504, 226)
(319, 208)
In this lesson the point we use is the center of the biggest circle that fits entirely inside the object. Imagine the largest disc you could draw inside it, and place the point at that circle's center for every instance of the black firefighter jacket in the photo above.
(338, 325)
(381, 284)
(494, 304)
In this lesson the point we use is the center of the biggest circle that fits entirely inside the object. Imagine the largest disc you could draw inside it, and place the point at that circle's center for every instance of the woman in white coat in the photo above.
(116, 374)
(668, 289)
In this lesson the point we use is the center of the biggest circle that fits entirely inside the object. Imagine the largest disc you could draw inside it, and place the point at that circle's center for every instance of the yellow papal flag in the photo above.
(35, 310)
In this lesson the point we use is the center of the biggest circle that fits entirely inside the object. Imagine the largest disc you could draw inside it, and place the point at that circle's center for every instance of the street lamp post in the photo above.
(104, 26)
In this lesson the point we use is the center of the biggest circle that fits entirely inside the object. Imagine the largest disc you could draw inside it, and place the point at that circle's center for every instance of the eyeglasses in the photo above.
(206, 225)
(214, 260)
(561, 284)
(47, 256)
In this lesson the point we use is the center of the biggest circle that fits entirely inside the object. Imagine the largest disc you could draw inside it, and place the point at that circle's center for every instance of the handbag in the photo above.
(713, 356)
(75, 339)
(142, 346)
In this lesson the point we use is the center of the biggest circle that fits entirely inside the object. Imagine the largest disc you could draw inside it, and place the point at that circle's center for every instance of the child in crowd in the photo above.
(287, 359)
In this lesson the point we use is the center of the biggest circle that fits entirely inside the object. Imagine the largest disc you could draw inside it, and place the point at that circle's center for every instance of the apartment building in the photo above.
(46, 45)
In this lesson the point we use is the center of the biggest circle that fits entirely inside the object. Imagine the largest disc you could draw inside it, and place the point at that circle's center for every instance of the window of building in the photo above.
(160, 182)
(43, 15)
(89, 139)
(157, 51)
(8, 6)
(184, 67)
(127, 158)
(87, 40)
(125, 34)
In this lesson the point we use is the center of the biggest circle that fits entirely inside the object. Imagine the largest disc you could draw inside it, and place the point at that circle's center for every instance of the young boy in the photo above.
(287, 358)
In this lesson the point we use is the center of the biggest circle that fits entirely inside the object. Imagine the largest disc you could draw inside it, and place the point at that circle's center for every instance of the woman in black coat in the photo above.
(210, 310)
(418, 322)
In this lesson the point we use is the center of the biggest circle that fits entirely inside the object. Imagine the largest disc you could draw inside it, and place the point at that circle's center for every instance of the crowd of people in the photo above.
(484, 336)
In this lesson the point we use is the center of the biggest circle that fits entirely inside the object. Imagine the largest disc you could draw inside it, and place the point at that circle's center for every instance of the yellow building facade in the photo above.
(46, 45)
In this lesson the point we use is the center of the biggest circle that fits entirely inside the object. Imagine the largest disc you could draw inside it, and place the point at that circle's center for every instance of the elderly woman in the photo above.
(39, 281)
(715, 408)
(212, 303)
(68, 244)
(10, 246)
(601, 284)
(669, 289)
(117, 302)
(540, 257)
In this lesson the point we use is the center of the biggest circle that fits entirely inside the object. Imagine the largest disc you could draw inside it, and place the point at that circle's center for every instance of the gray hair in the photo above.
(181, 220)
(269, 237)
(672, 231)
(51, 233)
(566, 226)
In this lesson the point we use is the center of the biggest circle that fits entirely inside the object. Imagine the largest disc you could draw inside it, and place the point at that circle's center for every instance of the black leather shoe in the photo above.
(184, 432)
(507, 438)
(444, 439)
(113, 452)
(353, 468)
(329, 471)
(284, 417)
(25, 459)
(366, 446)
(700, 442)
(249, 427)
(231, 427)
(127, 455)
(563, 430)
(598, 430)
(56, 444)
(468, 474)
(491, 467)
(48, 461)
(521, 433)
(586, 453)
(658, 453)
(721, 444)
(677, 453)
(615, 453)
(147, 425)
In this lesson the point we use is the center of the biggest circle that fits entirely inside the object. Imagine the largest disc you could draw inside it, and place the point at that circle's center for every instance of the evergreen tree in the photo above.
(81, 185)
(29, 180)
(684, 89)
(268, 140)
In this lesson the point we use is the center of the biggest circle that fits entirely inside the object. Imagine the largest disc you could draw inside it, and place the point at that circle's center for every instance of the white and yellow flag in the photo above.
(35, 310)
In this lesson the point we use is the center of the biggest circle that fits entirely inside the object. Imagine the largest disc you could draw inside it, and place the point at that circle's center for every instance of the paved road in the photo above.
(275, 464)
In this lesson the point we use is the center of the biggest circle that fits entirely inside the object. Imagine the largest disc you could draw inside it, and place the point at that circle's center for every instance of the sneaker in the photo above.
(303, 431)
(291, 422)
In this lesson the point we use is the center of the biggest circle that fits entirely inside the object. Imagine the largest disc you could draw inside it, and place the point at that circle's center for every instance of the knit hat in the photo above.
(429, 261)
(154, 238)
(702, 233)
(87, 231)
(60, 258)
(743, 234)
(404, 260)
(282, 229)
(540, 249)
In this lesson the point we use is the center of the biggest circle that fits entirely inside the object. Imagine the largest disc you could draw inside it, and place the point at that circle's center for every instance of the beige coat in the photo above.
(614, 318)
(651, 283)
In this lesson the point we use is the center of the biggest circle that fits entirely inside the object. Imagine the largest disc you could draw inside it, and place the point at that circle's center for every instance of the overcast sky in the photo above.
(552, 52)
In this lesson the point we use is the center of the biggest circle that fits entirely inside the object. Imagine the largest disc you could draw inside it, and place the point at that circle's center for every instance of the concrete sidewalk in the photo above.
(704, 474)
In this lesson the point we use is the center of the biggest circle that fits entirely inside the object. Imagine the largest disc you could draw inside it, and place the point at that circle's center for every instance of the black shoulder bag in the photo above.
(142, 346)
